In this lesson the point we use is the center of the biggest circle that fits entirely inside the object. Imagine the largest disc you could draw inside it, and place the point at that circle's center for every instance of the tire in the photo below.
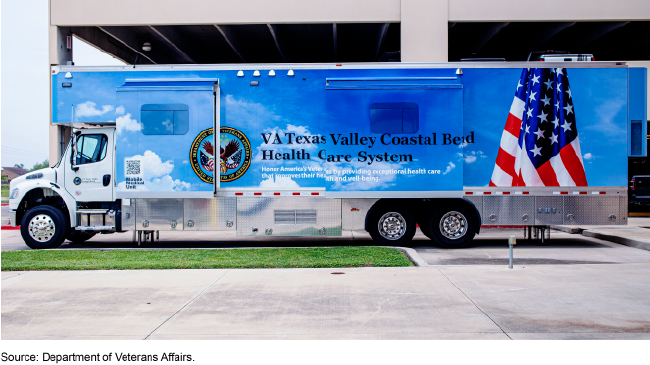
(451, 226)
(391, 225)
(75, 236)
(43, 227)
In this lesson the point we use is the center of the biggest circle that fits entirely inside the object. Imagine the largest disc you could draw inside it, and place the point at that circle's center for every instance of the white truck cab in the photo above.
(73, 200)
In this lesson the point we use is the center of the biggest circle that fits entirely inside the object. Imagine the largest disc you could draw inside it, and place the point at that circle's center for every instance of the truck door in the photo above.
(90, 179)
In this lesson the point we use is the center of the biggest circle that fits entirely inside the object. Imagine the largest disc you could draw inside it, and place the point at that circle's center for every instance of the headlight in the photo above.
(14, 193)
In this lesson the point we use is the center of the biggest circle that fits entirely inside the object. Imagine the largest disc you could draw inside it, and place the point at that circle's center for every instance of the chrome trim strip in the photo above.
(315, 66)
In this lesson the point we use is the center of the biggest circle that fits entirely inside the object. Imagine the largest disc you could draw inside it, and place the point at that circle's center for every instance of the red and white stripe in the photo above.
(507, 167)
(514, 168)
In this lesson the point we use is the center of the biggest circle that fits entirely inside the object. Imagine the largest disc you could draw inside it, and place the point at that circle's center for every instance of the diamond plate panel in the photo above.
(160, 213)
(128, 215)
(507, 210)
(551, 210)
(355, 220)
(622, 210)
(258, 212)
(227, 212)
(591, 210)
(210, 214)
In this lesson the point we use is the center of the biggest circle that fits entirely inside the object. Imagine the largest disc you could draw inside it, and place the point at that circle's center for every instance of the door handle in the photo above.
(106, 180)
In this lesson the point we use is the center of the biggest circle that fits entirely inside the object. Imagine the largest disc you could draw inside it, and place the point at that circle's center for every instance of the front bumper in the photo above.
(12, 218)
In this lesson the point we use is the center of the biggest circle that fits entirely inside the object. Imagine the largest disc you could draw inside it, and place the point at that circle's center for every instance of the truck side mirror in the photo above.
(73, 151)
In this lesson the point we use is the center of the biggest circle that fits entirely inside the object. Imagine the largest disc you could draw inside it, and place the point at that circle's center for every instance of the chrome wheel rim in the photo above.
(392, 226)
(453, 225)
(41, 228)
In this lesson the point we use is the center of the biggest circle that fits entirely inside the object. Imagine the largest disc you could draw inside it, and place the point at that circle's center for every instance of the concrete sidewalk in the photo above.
(444, 302)
(636, 234)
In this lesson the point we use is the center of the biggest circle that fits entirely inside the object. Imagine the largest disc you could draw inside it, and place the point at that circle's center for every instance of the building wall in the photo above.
(547, 10)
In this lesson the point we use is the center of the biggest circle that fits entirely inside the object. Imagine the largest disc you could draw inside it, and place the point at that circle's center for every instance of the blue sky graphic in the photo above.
(302, 105)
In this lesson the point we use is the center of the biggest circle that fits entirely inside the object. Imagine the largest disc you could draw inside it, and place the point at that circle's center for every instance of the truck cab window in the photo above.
(91, 148)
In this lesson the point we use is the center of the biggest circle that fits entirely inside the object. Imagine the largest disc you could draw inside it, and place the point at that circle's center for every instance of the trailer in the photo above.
(316, 149)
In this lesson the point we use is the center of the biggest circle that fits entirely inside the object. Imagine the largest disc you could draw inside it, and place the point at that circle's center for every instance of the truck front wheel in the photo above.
(43, 227)
(451, 227)
(392, 226)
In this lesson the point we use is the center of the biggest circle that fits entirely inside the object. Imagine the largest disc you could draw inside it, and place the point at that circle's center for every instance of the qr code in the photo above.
(133, 167)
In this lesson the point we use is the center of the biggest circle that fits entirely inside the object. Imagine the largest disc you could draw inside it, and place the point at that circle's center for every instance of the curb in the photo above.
(10, 228)
(617, 239)
(411, 254)
(567, 229)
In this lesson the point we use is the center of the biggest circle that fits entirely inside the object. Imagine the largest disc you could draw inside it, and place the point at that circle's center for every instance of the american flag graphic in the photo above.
(207, 162)
(236, 159)
(540, 145)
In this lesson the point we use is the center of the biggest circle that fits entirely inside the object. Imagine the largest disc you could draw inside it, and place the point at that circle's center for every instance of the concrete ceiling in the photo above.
(607, 41)
(361, 42)
(250, 43)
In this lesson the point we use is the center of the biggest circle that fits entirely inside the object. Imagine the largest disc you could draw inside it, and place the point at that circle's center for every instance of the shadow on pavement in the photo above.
(196, 240)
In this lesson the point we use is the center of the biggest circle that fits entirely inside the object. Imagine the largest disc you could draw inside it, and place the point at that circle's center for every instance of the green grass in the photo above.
(5, 190)
(203, 259)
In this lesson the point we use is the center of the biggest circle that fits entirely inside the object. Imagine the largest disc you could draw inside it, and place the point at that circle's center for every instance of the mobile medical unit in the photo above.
(316, 149)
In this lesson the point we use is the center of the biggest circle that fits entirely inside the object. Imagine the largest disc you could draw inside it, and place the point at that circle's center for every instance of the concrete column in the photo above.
(59, 137)
(59, 55)
(424, 30)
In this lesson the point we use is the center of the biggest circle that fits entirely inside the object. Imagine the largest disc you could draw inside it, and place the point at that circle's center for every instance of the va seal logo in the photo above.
(234, 155)
(77, 180)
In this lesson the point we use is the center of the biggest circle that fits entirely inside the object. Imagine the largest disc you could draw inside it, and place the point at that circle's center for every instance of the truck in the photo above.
(316, 149)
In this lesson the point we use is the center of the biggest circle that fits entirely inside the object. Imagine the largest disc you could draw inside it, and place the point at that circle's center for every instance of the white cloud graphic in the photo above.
(166, 183)
(125, 123)
(88, 109)
(119, 110)
(156, 174)
(279, 182)
(153, 166)
(472, 156)
(450, 167)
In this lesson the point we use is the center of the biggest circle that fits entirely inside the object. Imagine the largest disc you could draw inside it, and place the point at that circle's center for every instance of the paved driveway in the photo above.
(444, 302)
(576, 288)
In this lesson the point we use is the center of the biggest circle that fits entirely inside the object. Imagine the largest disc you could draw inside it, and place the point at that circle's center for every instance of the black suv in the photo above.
(639, 190)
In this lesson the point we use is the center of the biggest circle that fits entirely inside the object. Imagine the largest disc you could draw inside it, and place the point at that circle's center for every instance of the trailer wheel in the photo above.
(75, 236)
(43, 227)
(391, 225)
(451, 227)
